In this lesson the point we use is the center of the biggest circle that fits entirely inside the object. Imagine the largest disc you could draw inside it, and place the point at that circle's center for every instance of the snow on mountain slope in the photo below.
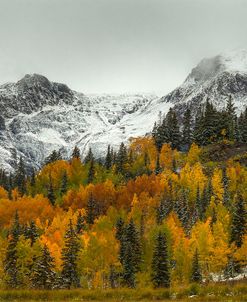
(38, 116)
(214, 78)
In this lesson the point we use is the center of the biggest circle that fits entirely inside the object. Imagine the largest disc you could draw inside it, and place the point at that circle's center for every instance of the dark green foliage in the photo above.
(89, 157)
(157, 165)
(160, 263)
(64, 183)
(80, 223)
(129, 269)
(91, 210)
(196, 275)
(121, 159)
(239, 222)
(20, 177)
(163, 210)
(50, 192)
(198, 204)
(108, 159)
(76, 153)
(10, 262)
(54, 156)
(69, 274)
(43, 276)
(231, 269)
(182, 210)
(187, 129)
(31, 232)
(91, 172)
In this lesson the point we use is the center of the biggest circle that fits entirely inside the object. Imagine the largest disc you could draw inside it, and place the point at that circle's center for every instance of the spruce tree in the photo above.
(89, 157)
(31, 232)
(76, 153)
(108, 159)
(69, 274)
(187, 129)
(129, 269)
(91, 172)
(64, 183)
(20, 177)
(50, 192)
(160, 263)
(157, 165)
(121, 159)
(44, 276)
(239, 221)
(54, 156)
(10, 262)
(196, 275)
(80, 223)
(91, 210)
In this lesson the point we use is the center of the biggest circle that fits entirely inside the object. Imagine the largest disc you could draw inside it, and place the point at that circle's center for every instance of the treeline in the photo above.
(208, 126)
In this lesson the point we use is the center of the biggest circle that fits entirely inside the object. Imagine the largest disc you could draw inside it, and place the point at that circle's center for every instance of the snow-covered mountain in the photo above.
(214, 78)
(38, 116)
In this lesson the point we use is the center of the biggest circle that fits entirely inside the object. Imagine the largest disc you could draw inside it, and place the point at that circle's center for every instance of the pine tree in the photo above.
(20, 177)
(91, 211)
(129, 270)
(10, 262)
(76, 153)
(196, 275)
(31, 232)
(187, 129)
(80, 224)
(198, 204)
(160, 263)
(239, 221)
(50, 192)
(163, 210)
(89, 157)
(157, 165)
(64, 184)
(120, 232)
(226, 196)
(108, 159)
(121, 159)
(44, 276)
(230, 115)
(91, 172)
(54, 156)
(69, 274)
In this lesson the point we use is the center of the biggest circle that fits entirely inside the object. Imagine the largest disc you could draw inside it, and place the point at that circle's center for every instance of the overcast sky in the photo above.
(98, 46)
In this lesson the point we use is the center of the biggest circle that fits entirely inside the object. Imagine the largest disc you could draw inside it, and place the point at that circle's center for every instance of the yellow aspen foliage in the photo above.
(217, 185)
(3, 193)
(193, 154)
(241, 254)
(166, 156)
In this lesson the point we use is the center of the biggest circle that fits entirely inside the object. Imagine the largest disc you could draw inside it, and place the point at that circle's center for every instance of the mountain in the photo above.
(214, 78)
(38, 116)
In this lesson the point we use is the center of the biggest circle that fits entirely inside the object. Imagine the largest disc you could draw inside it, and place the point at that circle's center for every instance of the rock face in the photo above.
(214, 78)
(38, 116)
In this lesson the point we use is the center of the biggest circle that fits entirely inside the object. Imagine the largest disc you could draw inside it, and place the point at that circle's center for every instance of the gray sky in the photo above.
(98, 46)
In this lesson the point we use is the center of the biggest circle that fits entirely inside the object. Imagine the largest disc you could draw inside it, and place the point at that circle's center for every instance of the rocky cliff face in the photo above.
(214, 78)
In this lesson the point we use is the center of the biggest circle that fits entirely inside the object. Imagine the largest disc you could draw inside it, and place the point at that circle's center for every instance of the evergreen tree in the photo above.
(230, 115)
(69, 274)
(76, 153)
(226, 196)
(10, 262)
(20, 177)
(91, 210)
(108, 159)
(198, 204)
(64, 184)
(43, 276)
(80, 224)
(129, 270)
(157, 165)
(91, 172)
(196, 275)
(54, 156)
(50, 192)
(239, 220)
(187, 129)
(163, 210)
(31, 232)
(89, 157)
(160, 263)
(121, 159)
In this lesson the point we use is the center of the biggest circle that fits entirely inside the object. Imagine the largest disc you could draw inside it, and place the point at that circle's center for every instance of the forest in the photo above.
(167, 210)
